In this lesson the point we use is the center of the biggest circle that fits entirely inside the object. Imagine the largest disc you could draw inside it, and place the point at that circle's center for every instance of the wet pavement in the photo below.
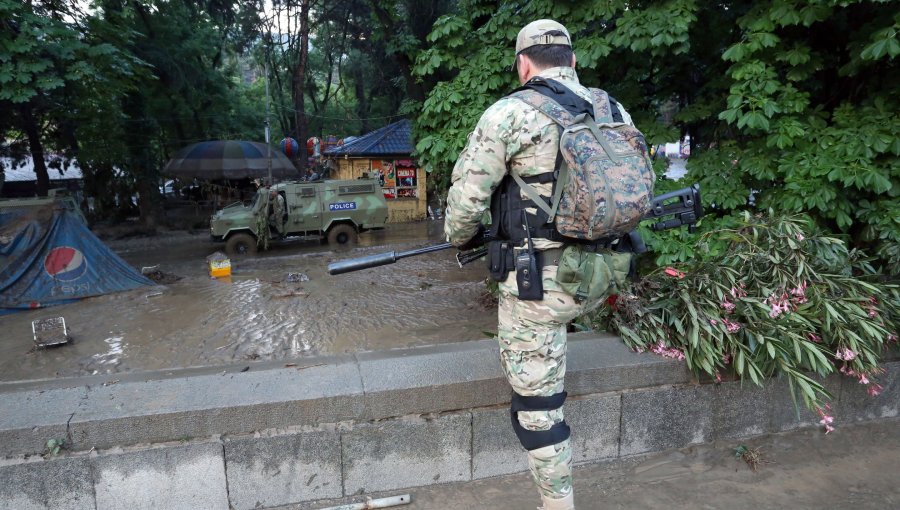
(854, 467)
(261, 312)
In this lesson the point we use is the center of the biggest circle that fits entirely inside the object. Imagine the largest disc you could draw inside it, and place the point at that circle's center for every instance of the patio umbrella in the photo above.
(229, 159)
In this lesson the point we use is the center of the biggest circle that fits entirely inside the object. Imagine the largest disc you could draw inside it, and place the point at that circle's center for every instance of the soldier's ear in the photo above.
(523, 67)
(573, 60)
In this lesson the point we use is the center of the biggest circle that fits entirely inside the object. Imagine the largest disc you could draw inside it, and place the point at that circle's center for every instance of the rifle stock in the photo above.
(672, 210)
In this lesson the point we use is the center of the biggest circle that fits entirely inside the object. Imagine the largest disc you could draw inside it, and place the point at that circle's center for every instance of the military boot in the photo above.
(566, 503)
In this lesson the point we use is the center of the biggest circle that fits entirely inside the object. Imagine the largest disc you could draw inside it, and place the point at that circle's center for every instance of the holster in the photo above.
(500, 260)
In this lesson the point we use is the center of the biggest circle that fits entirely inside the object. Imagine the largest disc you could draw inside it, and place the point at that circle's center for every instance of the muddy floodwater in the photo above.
(279, 305)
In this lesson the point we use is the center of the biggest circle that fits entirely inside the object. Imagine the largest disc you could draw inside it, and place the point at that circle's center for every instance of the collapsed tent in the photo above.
(49, 257)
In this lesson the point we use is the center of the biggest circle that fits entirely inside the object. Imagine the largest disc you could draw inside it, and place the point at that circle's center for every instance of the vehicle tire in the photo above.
(239, 245)
(342, 236)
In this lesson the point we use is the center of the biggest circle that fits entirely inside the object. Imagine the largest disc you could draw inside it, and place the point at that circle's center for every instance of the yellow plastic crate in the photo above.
(220, 267)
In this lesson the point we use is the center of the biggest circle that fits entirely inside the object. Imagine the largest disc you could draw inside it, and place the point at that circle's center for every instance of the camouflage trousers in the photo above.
(532, 337)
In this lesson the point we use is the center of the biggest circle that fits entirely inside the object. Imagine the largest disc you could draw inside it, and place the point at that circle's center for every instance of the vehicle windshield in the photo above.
(256, 201)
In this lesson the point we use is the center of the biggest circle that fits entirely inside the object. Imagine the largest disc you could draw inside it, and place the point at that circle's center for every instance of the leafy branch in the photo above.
(769, 296)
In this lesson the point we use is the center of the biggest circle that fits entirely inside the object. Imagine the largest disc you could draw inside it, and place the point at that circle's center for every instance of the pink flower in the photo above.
(800, 237)
(718, 377)
(863, 379)
(713, 322)
(737, 293)
(814, 338)
(826, 419)
(845, 354)
(779, 305)
(799, 293)
(726, 359)
(667, 352)
(891, 337)
(849, 372)
(873, 313)
(674, 273)
(874, 390)
(727, 305)
(731, 327)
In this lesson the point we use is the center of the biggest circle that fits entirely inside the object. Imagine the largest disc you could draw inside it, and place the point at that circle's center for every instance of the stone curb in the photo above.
(370, 449)
(370, 386)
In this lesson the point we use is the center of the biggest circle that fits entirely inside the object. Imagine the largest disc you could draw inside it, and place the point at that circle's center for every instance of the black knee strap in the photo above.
(534, 439)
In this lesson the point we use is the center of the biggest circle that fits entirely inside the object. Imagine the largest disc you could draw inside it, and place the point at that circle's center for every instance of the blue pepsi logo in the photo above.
(65, 263)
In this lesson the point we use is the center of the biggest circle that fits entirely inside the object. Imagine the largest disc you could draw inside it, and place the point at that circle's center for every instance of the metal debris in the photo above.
(297, 277)
(50, 332)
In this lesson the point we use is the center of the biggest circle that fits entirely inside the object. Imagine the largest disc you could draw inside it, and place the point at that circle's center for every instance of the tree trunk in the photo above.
(37, 149)
(299, 84)
(390, 27)
(147, 190)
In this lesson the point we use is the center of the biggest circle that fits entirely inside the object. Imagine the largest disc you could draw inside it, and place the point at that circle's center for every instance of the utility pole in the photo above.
(268, 145)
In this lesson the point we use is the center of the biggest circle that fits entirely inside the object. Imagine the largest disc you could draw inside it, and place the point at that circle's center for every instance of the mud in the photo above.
(851, 468)
(266, 310)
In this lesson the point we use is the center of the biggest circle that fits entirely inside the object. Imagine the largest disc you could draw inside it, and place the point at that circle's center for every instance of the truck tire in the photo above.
(241, 244)
(342, 236)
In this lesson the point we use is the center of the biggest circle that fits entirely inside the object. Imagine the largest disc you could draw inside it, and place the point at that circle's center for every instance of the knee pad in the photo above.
(534, 439)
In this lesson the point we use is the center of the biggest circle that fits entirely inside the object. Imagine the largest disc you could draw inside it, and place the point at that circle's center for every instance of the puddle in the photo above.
(259, 312)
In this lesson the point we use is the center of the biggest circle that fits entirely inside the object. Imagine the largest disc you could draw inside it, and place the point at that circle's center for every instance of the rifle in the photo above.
(672, 210)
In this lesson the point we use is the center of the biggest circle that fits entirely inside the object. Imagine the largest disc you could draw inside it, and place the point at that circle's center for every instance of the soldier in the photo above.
(513, 137)
(276, 219)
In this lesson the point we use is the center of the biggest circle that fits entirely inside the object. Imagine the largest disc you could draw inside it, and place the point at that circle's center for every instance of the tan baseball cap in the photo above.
(536, 33)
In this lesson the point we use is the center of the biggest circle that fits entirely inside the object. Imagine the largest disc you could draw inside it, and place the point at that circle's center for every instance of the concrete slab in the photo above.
(857, 405)
(29, 418)
(600, 363)
(495, 448)
(197, 407)
(740, 410)
(407, 452)
(272, 471)
(595, 427)
(56, 484)
(665, 418)
(789, 414)
(176, 478)
(432, 379)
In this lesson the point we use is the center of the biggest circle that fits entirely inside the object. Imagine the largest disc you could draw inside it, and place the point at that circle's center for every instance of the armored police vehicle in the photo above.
(331, 209)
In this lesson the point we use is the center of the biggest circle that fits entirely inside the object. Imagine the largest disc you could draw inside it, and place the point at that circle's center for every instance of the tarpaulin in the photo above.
(49, 257)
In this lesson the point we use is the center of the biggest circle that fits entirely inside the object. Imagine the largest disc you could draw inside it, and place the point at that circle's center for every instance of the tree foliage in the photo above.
(789, 105)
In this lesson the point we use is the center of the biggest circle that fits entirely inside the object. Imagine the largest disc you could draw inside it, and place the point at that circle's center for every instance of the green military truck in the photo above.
(331, 209)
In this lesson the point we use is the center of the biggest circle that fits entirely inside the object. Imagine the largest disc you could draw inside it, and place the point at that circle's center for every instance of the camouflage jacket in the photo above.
(278, 206)
(511, 136)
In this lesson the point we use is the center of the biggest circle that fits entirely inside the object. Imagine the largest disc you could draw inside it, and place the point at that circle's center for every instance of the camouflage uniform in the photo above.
(277, 218)
(512, 136)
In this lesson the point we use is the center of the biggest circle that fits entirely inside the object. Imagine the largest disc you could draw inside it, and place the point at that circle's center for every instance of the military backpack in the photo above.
(604, 178)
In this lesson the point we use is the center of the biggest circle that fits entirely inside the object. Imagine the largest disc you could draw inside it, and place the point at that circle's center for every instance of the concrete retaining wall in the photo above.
(333, 427)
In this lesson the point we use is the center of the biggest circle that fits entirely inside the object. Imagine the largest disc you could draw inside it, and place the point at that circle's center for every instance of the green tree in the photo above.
(789, 105)
(48, 69)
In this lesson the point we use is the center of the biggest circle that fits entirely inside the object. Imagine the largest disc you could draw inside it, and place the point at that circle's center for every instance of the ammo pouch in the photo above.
(590, 275)
(500, 260)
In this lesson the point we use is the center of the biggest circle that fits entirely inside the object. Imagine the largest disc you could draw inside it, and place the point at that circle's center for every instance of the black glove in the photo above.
(475, 241)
